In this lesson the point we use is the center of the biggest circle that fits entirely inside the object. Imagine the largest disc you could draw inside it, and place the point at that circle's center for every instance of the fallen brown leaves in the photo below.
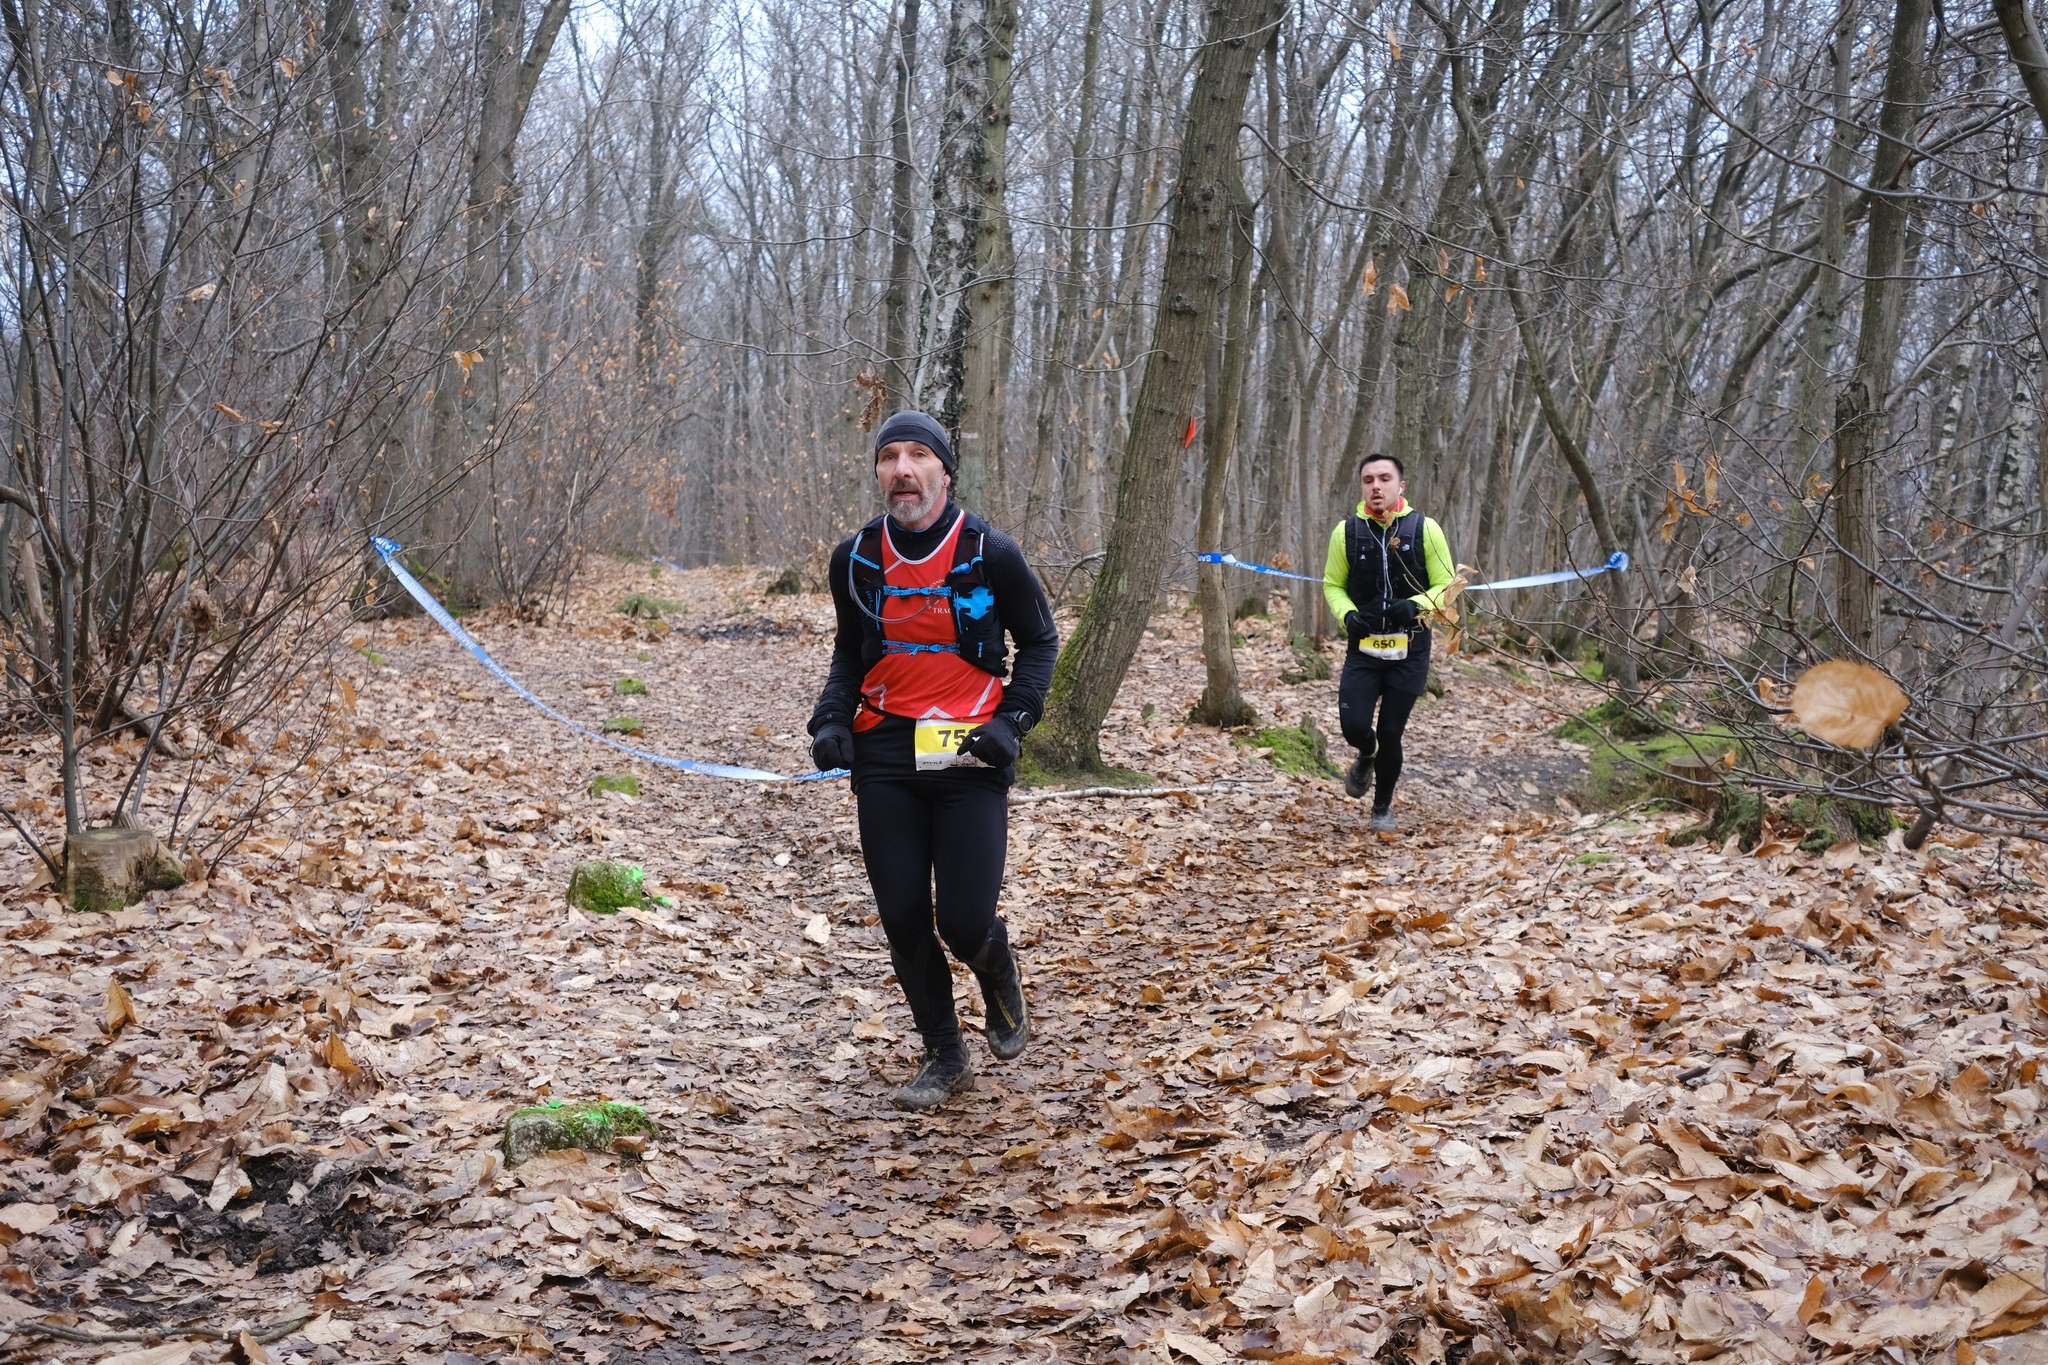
(1516, 1086)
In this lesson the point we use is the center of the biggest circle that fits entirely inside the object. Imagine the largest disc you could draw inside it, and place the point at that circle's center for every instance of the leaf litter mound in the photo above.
(1515, 1086)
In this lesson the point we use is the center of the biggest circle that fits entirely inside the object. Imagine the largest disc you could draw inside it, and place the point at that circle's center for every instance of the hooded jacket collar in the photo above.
(1399, 512)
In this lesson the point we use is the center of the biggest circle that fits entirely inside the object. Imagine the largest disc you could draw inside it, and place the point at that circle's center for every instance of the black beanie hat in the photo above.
(911, 425)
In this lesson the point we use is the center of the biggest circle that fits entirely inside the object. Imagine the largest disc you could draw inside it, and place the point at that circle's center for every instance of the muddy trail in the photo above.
(1519, 1084)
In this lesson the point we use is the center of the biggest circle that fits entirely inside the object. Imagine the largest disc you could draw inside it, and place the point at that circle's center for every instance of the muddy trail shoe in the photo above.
(1006, 1021)
(1358, 777)
(1383, 821)
(943, 1075)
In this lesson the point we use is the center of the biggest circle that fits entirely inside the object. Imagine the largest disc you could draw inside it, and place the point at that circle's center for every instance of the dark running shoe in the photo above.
(942, 1076)
(1006, 1019)
(1358, 778)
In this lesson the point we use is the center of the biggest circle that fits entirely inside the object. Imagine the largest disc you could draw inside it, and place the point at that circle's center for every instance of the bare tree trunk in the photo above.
(469, 397)
(1073, 274)
(366, 251)
(1622, 660)
(1860, 407)
(1816, 351)
(2023, 40)
(970, 301)
(896, 312)
(1222, 702)
(1092, 666)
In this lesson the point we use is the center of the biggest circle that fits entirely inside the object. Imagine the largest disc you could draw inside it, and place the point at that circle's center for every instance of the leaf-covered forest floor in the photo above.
(1517, 1085)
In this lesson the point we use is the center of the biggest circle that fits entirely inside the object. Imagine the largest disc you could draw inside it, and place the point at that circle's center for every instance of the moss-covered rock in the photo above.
(605, 888)
(1299, 749)
(1737, 813)
(623, 725)
(646, 606)
(788, 583)
(1621, 770)
(630, 687)
(1613, 719)
(592, 1125)
(1311, 664)
(1830, 820)
(604, 784)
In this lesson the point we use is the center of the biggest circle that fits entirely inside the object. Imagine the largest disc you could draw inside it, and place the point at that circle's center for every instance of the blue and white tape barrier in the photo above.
(1234, 562)
(1616, 562)
(388, 550)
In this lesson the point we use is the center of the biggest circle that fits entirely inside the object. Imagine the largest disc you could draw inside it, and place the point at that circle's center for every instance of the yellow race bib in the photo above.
(1384, 646)
(938, 746)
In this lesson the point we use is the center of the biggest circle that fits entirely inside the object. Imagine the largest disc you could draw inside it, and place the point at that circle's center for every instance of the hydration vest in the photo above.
(977, 632)
(1376, 557)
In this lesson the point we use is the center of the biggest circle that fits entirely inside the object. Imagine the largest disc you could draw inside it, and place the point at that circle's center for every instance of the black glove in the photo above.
(995, 743)
(832, 747)
(1356, 627)
(1402, 613)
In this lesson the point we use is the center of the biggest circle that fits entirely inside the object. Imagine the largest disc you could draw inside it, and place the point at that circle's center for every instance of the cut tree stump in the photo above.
(1693, 780)
(106, 869)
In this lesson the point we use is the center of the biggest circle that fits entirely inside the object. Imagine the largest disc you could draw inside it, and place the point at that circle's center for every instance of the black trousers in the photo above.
(1391, 687)
(922, 832)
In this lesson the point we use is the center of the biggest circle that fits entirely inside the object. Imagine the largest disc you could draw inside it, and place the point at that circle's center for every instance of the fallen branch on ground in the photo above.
(277, 1331)
(1226, 784)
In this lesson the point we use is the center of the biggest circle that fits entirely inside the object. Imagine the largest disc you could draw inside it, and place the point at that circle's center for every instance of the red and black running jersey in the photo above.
(929, 683)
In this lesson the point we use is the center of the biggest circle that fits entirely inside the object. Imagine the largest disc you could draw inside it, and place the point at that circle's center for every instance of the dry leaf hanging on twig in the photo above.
(1846, 704)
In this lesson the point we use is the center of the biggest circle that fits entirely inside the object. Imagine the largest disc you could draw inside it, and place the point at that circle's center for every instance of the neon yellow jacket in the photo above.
(1436, 551)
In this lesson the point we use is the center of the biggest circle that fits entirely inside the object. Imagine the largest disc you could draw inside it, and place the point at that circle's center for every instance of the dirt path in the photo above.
(1512, 1087)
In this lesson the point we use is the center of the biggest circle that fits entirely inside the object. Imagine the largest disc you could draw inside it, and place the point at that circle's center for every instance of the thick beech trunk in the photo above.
(1092, 666)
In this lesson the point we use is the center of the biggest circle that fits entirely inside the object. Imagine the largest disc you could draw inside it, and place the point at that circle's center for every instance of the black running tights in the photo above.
(1363, 686)
(917, 831)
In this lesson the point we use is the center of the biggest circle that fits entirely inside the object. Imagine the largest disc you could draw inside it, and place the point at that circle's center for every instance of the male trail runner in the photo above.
(915, 704)
(1388, 565)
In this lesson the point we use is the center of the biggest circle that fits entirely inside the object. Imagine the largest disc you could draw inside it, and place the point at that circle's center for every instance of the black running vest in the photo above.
(977, 631)
(1376, 557)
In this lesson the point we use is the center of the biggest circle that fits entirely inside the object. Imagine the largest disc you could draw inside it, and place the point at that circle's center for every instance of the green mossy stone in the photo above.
(1738, 813)
(788, 583)
(630, 687)
(1299, 749)
(623, 725)
(605, 888)
(1634, 755)
(1311, 664)
(592, 1125)
(646, 606)
(604, 784)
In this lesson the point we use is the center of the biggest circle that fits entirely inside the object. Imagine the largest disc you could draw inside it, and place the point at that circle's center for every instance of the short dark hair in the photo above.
(1377, 455)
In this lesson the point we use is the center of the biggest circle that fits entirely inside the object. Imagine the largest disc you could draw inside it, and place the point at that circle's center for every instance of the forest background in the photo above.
(1753, 292)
